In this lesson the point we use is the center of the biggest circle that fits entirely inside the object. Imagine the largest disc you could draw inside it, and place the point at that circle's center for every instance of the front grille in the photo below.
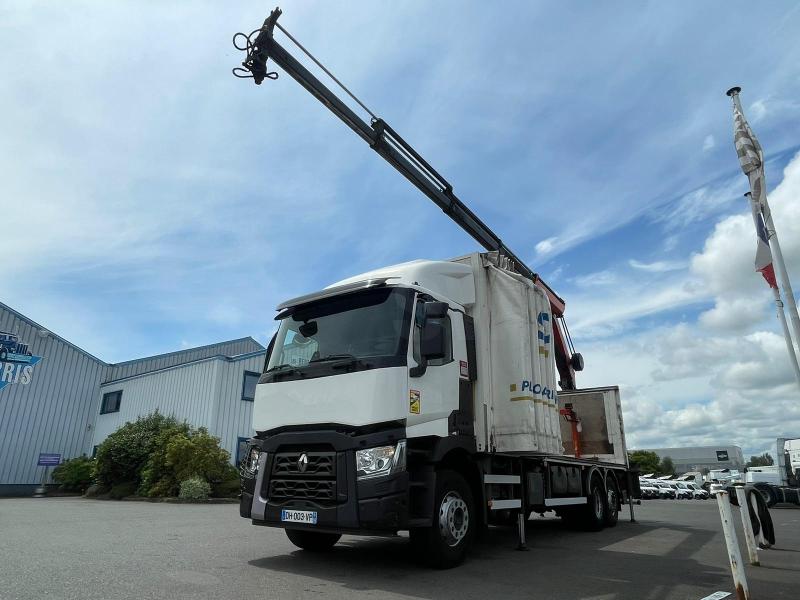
(320, 464)
(322, 491)
(316, 482)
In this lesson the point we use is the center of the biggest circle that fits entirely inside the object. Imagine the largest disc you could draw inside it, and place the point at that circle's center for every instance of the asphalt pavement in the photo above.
(92, 549)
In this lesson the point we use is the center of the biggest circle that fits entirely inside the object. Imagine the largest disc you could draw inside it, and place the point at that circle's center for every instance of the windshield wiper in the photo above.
(342, 361)
(278, 368)
(334, 357)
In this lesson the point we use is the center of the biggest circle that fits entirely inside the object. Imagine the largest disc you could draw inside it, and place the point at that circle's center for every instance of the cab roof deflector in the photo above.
(333, 291)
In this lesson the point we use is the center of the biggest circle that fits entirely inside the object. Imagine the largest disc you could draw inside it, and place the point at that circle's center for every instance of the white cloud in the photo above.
(721, 377)
(758, 110)
(659, 266)
(708, 143)
(599, 278)
(545, 247)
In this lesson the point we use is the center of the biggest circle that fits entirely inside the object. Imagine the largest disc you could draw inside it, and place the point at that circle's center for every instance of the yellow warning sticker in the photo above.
(413, 401)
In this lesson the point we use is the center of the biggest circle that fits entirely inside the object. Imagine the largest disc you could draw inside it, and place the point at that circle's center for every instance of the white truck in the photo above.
(424, 396)
(780, 483)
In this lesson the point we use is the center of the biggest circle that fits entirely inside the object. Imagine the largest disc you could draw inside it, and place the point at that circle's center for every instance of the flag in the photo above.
(747, 147)
(763, 261)
(751, 157)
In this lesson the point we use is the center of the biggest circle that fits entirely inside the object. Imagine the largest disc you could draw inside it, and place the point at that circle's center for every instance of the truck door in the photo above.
(433, 396)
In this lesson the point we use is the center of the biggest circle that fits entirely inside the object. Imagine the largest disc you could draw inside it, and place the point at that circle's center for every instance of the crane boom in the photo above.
(402, 156)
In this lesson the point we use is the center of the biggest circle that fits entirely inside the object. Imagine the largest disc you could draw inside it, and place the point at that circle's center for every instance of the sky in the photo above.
(152, 201)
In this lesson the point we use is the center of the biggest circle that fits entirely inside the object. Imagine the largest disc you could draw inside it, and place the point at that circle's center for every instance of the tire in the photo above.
(612, 501)
(444, 544)
(313, 541)
(596, 509)
(769, 495)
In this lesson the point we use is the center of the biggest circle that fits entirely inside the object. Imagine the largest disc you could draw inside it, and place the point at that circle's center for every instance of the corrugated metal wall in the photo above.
(234, 416)
(143, 365)
(205, 393)
(53, 412)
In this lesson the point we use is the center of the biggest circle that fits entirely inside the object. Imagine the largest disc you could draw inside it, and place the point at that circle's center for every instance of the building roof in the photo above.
(157, 362)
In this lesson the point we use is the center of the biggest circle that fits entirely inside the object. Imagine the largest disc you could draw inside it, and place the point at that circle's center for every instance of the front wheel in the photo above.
(444, 544)
(312, 541)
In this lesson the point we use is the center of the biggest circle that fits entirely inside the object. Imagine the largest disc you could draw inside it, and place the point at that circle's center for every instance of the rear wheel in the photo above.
(313, 541)
(445, 543)
(612, 500)
(595, 511)
(769, 495)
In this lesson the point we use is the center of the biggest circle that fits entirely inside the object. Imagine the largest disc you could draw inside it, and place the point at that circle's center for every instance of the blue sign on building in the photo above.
(16, 361)
(49, 460)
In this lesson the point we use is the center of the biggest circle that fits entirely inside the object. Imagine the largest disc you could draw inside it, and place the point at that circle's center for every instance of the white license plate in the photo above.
(299, 516)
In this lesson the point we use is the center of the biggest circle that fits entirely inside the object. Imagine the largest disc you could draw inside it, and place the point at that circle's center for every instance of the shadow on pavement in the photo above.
(561, 563)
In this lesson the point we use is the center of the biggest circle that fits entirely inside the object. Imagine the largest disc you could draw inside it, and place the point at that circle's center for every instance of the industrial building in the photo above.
(698, 458)
(56, 398)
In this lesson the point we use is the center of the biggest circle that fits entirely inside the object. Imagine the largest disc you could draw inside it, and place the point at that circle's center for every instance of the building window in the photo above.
(111, 402)
(249, 385)
(241, 448)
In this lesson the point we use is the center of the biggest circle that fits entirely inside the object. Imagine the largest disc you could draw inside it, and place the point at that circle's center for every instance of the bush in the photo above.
(230, 487)
(93, 491)
(158, 478)
(75, 474)
(194, 488)
(123, 490)
(181, 453)
(123, 454)
(157, 453)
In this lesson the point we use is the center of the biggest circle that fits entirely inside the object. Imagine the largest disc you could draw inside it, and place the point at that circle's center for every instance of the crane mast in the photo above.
(405, 159)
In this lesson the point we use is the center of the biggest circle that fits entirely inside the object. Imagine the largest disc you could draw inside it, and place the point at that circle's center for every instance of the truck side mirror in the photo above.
(436, 310)
(432, 344)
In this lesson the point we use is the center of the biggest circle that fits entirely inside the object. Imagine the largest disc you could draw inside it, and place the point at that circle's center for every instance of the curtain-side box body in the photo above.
(516, 399)
(516, 391)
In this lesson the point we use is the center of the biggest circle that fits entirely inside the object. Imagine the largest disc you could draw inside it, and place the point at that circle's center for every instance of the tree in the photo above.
(648, 461)
(762, 460)
(667, 467)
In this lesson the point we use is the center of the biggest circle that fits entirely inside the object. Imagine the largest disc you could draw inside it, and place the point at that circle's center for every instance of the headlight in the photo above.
(380, 461)
(250, 463)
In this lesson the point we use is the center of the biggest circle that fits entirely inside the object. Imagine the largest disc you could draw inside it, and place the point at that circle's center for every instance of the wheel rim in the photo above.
(612, 500)
(453, 518)
(598, 503)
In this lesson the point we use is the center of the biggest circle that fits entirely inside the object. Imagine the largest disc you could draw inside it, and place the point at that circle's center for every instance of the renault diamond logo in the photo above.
(302, 463)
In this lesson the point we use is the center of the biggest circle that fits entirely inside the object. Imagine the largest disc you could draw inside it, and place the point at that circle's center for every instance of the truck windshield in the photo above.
(357, 331)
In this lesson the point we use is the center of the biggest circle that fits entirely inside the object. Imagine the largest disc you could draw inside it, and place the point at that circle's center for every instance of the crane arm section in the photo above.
(399, 153)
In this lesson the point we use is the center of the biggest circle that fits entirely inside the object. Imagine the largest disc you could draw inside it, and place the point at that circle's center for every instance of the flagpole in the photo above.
(779, 305)
(789, 347)
(773, 241)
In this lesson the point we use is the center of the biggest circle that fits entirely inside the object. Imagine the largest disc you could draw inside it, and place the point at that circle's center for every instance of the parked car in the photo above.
(666, 490)
(698, 492)
(682, 490)
(649, 490)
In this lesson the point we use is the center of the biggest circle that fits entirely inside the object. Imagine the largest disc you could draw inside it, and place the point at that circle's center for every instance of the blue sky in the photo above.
(153, 201)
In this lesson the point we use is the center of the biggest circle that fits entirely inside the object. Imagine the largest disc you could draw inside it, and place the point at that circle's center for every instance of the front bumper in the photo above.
(377, 506)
